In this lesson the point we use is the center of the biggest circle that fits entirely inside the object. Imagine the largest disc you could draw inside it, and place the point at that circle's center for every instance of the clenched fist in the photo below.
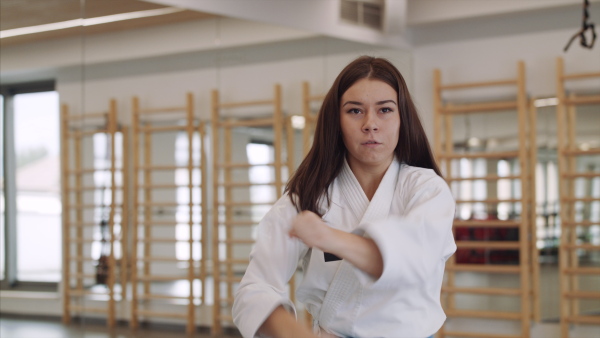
(311, 229)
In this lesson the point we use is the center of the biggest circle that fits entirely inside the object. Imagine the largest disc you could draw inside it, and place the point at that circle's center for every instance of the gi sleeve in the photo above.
(416, 243)
(273, 260)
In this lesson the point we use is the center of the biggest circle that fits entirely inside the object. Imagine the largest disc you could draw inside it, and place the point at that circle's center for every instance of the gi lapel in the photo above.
(345, 282)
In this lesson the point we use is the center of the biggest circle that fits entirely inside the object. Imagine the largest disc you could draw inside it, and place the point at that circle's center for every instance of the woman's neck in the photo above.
(369, 176)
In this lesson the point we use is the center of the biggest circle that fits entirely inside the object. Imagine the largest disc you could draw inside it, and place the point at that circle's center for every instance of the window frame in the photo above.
(9, 280)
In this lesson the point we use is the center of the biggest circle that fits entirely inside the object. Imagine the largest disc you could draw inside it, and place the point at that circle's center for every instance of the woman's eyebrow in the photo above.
(386, 101)
(352, 102)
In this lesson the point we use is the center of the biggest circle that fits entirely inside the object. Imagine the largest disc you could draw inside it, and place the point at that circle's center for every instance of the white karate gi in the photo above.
(409, 218)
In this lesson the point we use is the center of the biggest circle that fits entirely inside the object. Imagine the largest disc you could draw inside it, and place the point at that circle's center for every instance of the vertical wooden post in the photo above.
(79, 209)
(216, 271)
(524, 227)
(535, 265)
(278, 130)
(190, 167)
(66, 215)
(135, 217)
(125, 215)
(571, 211)
(111, 137)
(562, 251)
(307, 117)
(204, 212)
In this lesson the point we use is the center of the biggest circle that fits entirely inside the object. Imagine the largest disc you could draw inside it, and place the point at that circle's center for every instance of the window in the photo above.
(31, 201)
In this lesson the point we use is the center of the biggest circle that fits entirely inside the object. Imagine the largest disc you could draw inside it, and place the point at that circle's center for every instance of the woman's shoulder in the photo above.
(418, 175)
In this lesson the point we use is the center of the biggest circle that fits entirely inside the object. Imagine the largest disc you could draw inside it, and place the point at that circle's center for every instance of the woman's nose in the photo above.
(370, 123)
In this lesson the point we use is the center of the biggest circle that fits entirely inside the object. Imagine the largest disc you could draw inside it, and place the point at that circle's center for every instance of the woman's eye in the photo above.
(386, 110)
(354, 111)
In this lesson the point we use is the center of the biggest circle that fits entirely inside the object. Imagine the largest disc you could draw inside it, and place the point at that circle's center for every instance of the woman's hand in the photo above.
(311, 229)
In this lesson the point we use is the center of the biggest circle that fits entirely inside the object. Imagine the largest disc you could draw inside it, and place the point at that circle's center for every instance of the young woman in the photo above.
(368, 216)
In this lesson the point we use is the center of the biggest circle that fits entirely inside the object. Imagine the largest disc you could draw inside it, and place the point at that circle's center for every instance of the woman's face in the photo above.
(370, 123)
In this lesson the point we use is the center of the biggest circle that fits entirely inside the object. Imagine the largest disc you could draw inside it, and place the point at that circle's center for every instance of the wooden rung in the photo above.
(510, 82)
(580, 199)
(93, 188)
(483, 314)
(239, 223)
(581, 175)
(158, 240)
(88, 206)
(483, 291)
(583, 319)
(82, 259)
(235, 261)
(230, 280)
(160, 314)
(84, 224)
(583, 294)
(578, 152)
(160, 186)
(86, 116)
(161, 278)
(316, 97)
(227, 300)
(486, 224)
(86, 133)
(245, 184)
(580, 223)
(163, 110)
(163, 204)
(244, 103)
(244, 204)
(77, 308)
(226, 318)
(87, 171)
(82, 293)
(478, 107)
(491, 201)
(159, 259)
(579, 76)
(83, 240)
(582, 271)
(155, 296)
(484, 268)
(82, 275)
(158, 223)
(488, 245)
(581, 100)
(160, 129)
(163, 167)
(248, 123)
(500, 154)
(486, 178)
(581, 246)
(237, 241)
(477, 334)
(232, 165)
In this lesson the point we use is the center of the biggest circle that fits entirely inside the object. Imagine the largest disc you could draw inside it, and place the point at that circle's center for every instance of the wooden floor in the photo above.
(13, 326)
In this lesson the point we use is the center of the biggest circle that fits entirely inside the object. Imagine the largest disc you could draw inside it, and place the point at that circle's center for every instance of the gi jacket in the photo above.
(409, 218)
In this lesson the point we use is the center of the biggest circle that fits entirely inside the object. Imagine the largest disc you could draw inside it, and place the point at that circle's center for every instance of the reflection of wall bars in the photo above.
(160, 233)
(80, 224)
(231, 225)
(573, 221)
(447, 155)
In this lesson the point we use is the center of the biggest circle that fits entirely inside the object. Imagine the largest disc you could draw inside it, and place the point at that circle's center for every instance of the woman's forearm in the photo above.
(361, 252)
(282, 324)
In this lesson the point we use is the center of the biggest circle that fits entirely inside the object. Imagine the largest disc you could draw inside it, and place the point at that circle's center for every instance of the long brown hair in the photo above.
(324, 161)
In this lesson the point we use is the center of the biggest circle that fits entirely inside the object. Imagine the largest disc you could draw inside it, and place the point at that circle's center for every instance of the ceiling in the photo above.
(422, 20)
(25, 13)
